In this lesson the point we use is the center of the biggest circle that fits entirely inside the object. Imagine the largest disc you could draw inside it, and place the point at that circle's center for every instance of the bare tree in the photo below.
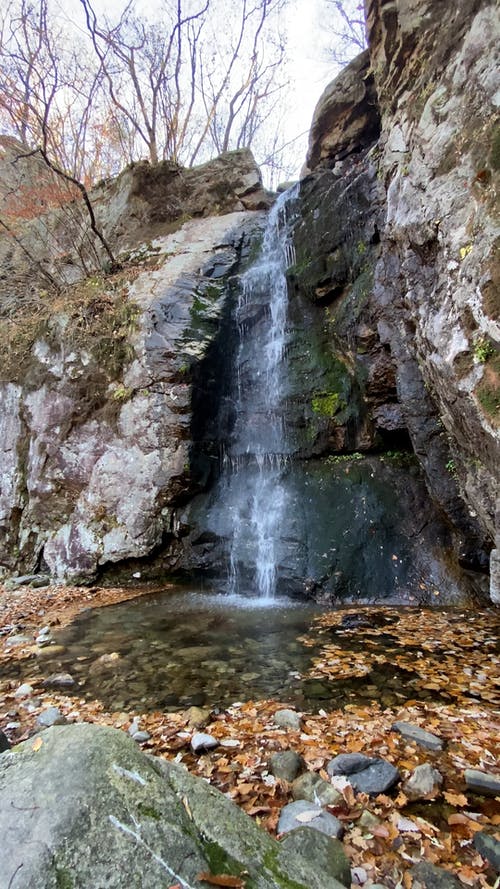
(346, 27)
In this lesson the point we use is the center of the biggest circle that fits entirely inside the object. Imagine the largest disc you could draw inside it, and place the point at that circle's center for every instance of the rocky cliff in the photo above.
(115, 400)
(399, 244)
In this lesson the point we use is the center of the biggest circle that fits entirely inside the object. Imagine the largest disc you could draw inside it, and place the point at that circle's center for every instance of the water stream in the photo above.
(252, 492)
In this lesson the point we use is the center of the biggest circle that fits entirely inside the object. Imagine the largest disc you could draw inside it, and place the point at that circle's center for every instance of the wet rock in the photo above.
(201, 742)
(198, 717)
(4, 743)
(286, 765)
(364, 773)
(288, 719)
(418, 735)
(23, 691)
(326, 852)
(302, 813)
(424, 783)
(51, 716)
(311, 787)
(34, 580)
(429, 876)
(482, 782)
(59, 680)
(489, 848)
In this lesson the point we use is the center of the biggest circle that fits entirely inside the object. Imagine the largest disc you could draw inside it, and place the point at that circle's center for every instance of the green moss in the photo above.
(335, 459)
(494, 157)
(64, 880)
(326, 404)
(483, 350)
(220, 862)
(149, 812)
(271, 864)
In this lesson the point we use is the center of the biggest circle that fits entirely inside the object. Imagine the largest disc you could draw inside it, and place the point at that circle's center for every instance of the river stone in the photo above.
(288, 719)
(313, 788)
(34, 580)
(432, 877)
(482, 782)
(489, 848)
(201, 742)
(91, 807)
(424, 783)
(51, 716)
(366, 774)
(286, 765)
(59, 680)
(418, 735)
(23, 691)
(319, 820)
(326, 852)
(198, 717)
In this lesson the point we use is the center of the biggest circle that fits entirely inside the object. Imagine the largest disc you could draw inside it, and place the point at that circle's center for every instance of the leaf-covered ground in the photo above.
(450, 653)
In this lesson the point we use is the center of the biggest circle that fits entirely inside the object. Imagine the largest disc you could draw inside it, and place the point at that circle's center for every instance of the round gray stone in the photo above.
(288, 719)
(286, 765)
(51, 716)
(201, 742)
(366, 774)
(324, 851)
(317, 819)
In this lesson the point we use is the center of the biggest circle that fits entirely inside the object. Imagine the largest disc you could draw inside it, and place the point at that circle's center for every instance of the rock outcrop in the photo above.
(421, 214)
(91, 808)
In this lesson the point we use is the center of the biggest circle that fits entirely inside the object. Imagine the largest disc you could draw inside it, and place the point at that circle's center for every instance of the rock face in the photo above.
(421, 301)
(91, 808)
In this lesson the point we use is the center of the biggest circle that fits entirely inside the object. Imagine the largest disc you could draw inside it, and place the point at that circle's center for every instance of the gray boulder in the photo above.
(424, 783)
(429, 876)
(482, 782)
(366, 774)
(92, 810)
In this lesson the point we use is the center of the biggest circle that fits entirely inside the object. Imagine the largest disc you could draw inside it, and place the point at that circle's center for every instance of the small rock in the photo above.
(313, 788)
(324, 851)
(424, 783)
(13, 726)
(42, 641)
(4, 743)
(482, 782)
(200, 742)
(51, 716)
(287, 719)
(286, 765)
(419, 735)
(365, 773)
(59, 680)
(489, 848)
(141, 737)
(198, 717)
(23, 691)
(359, 876)
(432, 877)
(18, 640)
(134, 727)
(367, 820)
(302, 814)
(34, 580)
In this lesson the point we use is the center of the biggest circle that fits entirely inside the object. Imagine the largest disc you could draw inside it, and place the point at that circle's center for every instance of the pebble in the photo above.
(424, 783)
(482, 782)
(200, 742)
(313, 788)
(288, 719)
(51, 716)
(23, 691)
(414, 733)
(59, 680)
(359, 875)
(286, 765)
(303, 814)
(141, 737)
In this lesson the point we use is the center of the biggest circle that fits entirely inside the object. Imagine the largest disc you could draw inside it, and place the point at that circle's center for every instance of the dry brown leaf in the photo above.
(221, 880)
(455, 799)
(37, 744)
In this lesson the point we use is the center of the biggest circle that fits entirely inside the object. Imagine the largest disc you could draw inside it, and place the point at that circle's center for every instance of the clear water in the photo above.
(251, 483)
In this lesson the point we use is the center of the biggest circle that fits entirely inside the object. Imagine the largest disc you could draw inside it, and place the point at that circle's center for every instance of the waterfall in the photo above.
(257, 452)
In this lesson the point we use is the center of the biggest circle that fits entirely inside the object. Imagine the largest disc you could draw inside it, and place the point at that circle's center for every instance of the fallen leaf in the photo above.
(455, 799)
(37, 744)
(306, 817)
(221, 880)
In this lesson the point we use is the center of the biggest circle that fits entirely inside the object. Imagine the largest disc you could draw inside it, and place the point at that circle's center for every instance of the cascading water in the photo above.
(257, 453)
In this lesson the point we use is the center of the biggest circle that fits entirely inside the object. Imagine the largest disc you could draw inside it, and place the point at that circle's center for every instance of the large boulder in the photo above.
(92, 811)
(346, 117)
